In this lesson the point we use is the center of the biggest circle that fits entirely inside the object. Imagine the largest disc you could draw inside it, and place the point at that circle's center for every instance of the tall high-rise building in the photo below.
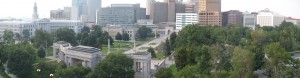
(171, 10)
(210, 12)
(60, 14)
(148, 6)
(78, 9)
(120, 14)
(35, 14)
(232, 17)
(92, 7)
(159, 12)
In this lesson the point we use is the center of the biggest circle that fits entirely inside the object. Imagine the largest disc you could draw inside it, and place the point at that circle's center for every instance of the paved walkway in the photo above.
(157, 41)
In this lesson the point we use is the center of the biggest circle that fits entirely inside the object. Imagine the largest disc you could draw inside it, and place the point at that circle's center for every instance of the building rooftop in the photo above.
(85, 49)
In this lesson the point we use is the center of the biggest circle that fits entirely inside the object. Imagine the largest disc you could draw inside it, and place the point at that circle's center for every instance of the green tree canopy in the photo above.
(151, 50)
(115, 66)
(21, 60)
(118, 36)
(42, 38)
(67, 35)
(143, 32)
(164, 73)
(243, 63)
(8, 37)
(125, 37)
(41, 52)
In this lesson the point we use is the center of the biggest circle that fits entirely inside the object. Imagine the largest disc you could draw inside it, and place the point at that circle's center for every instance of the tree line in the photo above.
(235, 52)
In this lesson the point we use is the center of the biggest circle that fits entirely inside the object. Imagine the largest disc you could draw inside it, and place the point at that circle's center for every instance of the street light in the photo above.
(51, 75)
(39, 70)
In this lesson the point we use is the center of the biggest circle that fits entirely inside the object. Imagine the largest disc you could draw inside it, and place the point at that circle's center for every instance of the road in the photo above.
(157, 41)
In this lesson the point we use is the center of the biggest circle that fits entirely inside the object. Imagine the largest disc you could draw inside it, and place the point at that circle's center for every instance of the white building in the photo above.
(250, 19)
(184, 19)
(293, 20)
(269, 18)
(44, 24)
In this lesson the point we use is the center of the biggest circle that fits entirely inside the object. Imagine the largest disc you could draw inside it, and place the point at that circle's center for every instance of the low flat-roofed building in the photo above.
(87, 56)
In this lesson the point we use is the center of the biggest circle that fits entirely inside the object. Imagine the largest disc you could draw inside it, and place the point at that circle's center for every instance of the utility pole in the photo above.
(108, 51)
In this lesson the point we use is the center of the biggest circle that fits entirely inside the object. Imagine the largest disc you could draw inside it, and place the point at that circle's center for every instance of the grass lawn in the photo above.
(122, 44)
(159, 56)
(49, 51)
(105, 49)
(140, 41)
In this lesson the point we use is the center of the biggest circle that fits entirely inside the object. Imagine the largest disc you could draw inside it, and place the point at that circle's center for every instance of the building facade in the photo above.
(210, 12)
(92, 7)
(232, 17)
(44, 24)
(268, 18)
(184, 19)
(250, 19)
(293, 20)
(119, 14)
(159, 12)
(35, 14)
(88, 57)
(59, 14)
(79, 9)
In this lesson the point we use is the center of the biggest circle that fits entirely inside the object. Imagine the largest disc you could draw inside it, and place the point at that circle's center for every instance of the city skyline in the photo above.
(24, 8)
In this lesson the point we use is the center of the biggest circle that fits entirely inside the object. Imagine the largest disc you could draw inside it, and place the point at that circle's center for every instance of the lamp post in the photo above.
(51, 75)
(38, 71)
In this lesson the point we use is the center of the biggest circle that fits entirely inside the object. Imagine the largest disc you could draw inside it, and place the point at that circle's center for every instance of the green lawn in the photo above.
(118, 47)
(49, 51)
(105, 49)
(159, 55)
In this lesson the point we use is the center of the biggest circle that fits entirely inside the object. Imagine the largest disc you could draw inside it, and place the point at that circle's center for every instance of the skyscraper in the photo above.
(210, 12)
(159, 12)
(35, 14)
(78, 9)
(92, 7)
(171, 10)
(148, 6)
(232, 17)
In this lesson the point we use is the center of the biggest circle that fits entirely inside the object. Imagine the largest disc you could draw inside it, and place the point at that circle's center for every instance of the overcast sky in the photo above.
(24, 8)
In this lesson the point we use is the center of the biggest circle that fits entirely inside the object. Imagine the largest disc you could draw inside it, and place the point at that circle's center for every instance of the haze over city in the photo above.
(23, 8)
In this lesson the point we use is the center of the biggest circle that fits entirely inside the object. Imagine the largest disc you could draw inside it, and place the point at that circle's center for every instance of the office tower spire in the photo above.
(35, 14)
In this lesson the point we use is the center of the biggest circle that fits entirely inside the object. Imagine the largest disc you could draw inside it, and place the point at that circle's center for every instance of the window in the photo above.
(138, 66)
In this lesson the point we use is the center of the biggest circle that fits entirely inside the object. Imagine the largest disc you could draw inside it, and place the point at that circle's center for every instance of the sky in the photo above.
(24, 8)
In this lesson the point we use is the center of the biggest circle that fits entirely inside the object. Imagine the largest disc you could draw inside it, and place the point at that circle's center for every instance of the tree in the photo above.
(164, 73)
(26, 34)
(143, 32)
(190, 72)
(118, 36)
(18, 37)
(115, 66)
(125, 37)
(243, 63)
(41, 52)
(184, 56)
(42, 38)
(21, 60)
(72, 72)
(167, 48)
(151, 50)
(259, 40)
(45, 68)
(85, 29)
(276, 59)
(67, 35)
(172, 40)
(8, 37)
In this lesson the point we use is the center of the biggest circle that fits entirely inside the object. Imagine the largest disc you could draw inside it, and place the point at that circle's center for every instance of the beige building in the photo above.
(210, 12)
(60, 14)
(159, 12)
